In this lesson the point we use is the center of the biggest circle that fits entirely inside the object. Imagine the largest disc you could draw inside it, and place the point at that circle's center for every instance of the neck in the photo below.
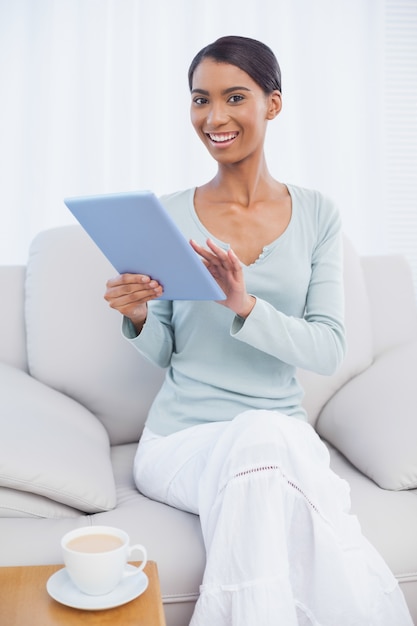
(243, 183)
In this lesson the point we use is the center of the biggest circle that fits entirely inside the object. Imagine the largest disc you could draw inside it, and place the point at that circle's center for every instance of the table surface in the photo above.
(25, 601)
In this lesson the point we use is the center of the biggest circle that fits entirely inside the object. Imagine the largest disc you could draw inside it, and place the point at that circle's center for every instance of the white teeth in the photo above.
(222, 137)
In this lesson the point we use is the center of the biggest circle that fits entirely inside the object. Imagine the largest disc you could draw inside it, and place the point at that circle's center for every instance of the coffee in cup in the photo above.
(96, 558)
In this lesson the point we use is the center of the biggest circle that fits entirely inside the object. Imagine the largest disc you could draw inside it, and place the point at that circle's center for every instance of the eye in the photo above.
(200, 100)
(236, 98)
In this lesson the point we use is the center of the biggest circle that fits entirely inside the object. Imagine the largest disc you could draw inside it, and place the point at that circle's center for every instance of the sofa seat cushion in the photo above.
(372, 420)
(52, 446)
(387, 518)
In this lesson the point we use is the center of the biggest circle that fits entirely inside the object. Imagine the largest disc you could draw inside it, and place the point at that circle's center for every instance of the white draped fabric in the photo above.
(95, 99)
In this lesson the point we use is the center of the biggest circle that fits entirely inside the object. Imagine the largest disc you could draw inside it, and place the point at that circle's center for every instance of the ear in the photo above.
(274, 104)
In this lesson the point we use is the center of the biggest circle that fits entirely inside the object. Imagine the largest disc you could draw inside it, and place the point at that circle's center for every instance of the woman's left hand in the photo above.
(226, 269)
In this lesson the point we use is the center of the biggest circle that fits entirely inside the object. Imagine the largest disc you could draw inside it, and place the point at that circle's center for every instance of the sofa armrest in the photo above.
(12, 321)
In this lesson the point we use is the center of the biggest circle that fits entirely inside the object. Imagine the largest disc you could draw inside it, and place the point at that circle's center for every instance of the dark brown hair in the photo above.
(250, 55)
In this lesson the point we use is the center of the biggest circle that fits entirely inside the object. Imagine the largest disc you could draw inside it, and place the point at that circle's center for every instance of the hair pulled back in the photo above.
(250, 55)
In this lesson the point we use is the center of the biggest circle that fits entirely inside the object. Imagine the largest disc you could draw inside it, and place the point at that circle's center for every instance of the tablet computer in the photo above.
(137, 235)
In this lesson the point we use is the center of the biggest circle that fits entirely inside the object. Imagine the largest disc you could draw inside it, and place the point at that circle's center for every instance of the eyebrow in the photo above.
(204, 92)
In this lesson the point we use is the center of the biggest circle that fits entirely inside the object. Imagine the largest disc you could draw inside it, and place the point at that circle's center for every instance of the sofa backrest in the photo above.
(393, 301)
(12, 322)
(74, 341)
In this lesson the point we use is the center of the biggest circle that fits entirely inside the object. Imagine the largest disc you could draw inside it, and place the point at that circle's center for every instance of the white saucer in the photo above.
(62, 589)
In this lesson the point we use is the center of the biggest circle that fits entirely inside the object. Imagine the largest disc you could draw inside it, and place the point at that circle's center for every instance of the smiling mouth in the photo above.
(222, 138)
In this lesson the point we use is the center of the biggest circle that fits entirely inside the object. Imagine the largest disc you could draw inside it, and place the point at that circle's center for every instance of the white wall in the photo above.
(95, 99)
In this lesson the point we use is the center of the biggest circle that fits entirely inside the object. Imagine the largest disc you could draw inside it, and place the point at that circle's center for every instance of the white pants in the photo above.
(281, 546)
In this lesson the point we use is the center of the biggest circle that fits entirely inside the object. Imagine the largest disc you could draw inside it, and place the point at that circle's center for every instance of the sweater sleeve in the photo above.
(317, 340)
(156, 340)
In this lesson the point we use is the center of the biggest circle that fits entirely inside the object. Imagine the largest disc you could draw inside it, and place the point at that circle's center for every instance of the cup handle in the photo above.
(140, 548)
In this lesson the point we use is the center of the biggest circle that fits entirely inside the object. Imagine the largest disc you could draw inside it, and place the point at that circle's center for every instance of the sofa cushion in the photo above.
(387, 518)
(52, 446)
(372, 420)
(74, 338)
(16, 503)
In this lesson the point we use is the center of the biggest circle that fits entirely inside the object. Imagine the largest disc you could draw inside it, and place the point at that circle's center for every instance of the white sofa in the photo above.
(74, 396)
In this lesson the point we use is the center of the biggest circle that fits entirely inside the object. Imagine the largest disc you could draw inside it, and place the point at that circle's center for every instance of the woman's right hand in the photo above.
(129, 294)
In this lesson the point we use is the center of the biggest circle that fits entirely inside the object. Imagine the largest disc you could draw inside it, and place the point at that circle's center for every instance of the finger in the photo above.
(219, 252)
(123, 294)
(217, 256)
(127, 279)
(228, 257)
(236, 263)
(215, 252)
(203, 252)
(126, 303)
(213, 246)
(131, 292)
(128, 283)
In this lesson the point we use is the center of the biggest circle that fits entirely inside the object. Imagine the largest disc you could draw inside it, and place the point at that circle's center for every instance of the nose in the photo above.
(217, 114)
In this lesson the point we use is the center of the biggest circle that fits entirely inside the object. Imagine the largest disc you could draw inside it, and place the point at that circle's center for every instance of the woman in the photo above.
(227, 437)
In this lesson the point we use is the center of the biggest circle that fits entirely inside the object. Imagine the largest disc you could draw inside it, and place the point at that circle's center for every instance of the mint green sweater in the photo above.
(218, 364)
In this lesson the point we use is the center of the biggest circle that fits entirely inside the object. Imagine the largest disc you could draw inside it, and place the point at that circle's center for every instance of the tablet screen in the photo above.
(137, 235)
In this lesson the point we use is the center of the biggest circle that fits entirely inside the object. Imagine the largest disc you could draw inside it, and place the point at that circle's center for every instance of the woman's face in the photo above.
(230, 111)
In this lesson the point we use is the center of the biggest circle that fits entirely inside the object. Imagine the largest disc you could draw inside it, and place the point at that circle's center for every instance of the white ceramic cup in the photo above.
(96, 558)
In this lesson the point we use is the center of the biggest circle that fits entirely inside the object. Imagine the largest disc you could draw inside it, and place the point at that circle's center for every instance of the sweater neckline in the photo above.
(266, 250)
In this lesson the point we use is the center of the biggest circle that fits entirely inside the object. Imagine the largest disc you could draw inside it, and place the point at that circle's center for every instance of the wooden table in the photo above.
(24, 601)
